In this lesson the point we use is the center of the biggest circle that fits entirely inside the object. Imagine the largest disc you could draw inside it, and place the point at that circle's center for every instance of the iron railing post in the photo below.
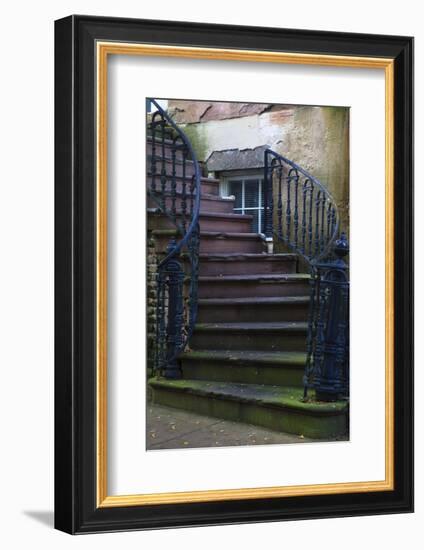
(174, 336)
(328, 328)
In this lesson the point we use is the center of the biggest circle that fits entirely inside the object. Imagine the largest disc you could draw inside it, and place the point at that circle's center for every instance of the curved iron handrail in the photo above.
(176, 313)
(196, 208)
(309, 228)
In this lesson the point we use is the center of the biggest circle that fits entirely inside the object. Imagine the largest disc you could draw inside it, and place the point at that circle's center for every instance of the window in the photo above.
(248, 192)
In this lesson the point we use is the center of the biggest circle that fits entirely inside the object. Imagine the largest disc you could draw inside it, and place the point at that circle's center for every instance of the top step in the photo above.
(163, 147)
(169, 166)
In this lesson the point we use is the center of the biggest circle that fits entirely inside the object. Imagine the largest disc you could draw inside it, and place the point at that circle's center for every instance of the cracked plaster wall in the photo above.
(316, 138)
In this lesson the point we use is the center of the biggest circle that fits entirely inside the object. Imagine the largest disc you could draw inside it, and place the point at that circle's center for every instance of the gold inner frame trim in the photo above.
(103, 50)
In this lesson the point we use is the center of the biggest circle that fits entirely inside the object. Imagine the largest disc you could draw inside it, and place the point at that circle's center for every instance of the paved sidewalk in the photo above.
(169, 428)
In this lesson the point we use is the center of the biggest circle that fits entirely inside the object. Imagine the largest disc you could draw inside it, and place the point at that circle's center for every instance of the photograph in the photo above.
(247, 273)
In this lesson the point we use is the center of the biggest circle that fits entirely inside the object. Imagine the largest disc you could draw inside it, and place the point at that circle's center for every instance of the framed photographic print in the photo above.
(234, 274)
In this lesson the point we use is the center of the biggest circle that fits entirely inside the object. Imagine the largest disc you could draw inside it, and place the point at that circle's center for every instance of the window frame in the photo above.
(243, 176)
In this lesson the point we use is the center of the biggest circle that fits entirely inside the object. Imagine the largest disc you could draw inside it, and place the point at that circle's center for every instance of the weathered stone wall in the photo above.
(316, 138)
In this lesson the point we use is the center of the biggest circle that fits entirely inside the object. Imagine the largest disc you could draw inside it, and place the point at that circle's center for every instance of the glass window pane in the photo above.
(251, 193)
(255, 214)
(235, 188)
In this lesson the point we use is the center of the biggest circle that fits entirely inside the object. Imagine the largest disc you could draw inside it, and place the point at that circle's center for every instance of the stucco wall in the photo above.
(316, 138)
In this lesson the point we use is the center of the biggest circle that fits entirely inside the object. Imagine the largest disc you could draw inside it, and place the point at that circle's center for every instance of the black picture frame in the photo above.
(76, 510)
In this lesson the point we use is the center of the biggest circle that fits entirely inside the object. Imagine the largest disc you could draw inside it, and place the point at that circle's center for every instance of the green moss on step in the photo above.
(277, 358)
(278, 396)
(248, 374)
(286, 413)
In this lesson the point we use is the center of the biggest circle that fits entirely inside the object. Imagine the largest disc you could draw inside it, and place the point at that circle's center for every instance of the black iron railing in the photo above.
(174, 188)
(301, 213)
(298, 209)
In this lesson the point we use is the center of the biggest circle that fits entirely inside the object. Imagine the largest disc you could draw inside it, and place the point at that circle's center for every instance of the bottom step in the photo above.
(275, 407)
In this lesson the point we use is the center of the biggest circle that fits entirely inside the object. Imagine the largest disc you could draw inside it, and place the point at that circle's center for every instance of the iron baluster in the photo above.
(153, 160)
(321, 244)
(184, 192)
(163, 175)
(288, 207)
(329, 214)
(304, 193)
(310, 231)
(317, 205)
(174, 185)
(280, 203)
(296, 213)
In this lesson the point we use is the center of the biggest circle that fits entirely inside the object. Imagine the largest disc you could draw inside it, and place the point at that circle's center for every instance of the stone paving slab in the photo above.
(169, 428)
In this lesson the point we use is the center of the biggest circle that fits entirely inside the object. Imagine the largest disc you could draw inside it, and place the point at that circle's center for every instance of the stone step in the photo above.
(268, 309)
(209, 221)
(208, 203)
(276, 336)
(274, 407)
(168, 145)
(167, 165)
(240, 286)
(221, 242)
(244, 264)
(246, 366)
(211, 241)
(209, 186)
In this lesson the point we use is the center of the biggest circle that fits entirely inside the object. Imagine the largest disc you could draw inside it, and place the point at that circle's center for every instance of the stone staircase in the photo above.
(246, 358)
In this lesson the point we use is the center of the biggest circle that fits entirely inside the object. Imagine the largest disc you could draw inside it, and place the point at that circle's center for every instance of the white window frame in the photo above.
(243, 177)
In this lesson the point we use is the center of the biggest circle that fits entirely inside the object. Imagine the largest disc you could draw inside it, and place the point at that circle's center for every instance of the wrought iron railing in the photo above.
(301, 213)
(298, 209)
(174, 188)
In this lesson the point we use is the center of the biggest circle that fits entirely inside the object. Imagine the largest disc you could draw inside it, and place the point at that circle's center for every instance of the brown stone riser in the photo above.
(249, 312)
(218, 245)
(259, 373)
(208, 186)
(252, 289)
(231, 244)
(207, 204)
(207, 223)
(158, 147)
(243, 340)
(246, 267)
(169, 166)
